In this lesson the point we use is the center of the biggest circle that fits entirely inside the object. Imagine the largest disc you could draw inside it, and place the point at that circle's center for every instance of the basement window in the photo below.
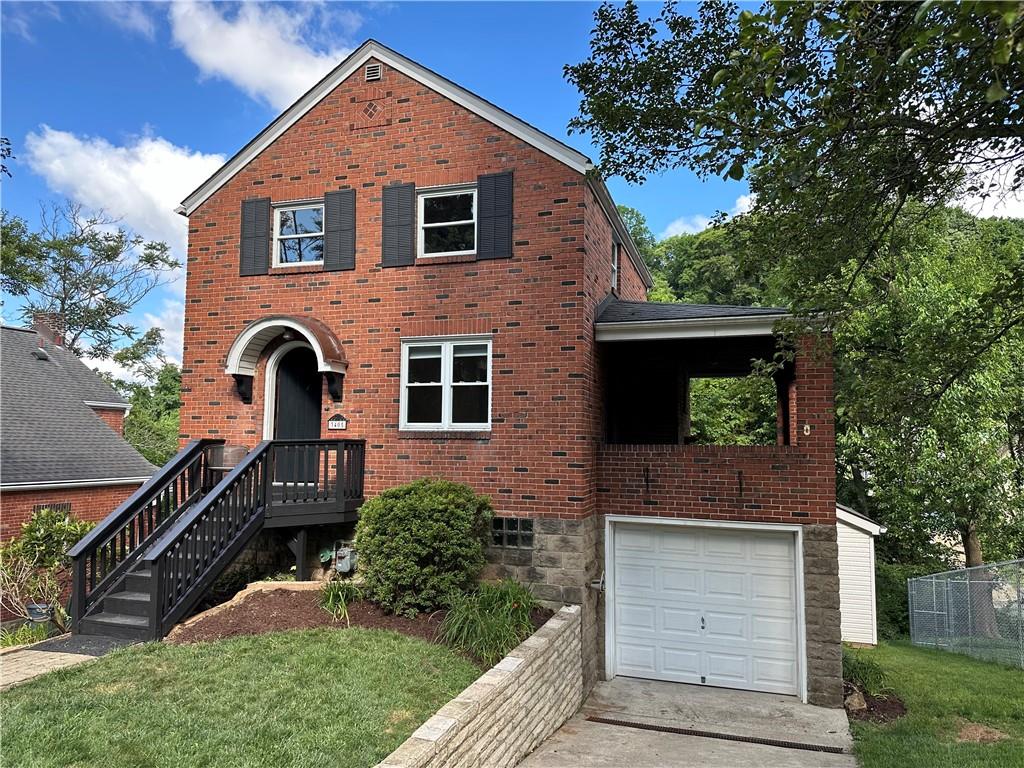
(447, 220)
(512, 532)
(299, 234)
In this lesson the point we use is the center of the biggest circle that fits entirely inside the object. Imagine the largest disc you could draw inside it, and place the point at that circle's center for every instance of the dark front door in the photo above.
(297, 415)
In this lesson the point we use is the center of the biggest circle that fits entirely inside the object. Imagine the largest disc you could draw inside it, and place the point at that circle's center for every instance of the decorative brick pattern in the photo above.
(510, 709)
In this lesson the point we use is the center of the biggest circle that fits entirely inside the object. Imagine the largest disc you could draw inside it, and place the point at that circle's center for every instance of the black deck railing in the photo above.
(189, 521)
(110, 549)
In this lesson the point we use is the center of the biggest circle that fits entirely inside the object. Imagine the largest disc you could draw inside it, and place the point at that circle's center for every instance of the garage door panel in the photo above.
(727, 584)
(667, 578)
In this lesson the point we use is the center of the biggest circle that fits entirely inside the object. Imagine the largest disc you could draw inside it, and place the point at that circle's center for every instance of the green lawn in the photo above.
(311, 698)
(942, 690)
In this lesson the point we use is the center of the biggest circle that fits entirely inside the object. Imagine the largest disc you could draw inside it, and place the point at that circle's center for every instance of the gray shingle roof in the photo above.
(47, 432)
(615, 311)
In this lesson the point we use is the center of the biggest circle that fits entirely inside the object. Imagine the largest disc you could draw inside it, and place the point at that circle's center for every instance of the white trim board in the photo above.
(688, 328)
(58, 484)
(609, 567)
(262, 333)
(858, 522)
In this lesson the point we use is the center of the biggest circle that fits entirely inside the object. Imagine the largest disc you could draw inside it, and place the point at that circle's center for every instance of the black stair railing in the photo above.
(317, 474)
(193, 551)
(110, 549)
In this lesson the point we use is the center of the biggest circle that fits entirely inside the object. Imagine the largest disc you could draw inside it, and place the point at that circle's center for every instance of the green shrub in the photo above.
(418, 543)
(864, 672)
(49, 534)
(336, 596)
(489, 622)
(23, 635)
(891, 597)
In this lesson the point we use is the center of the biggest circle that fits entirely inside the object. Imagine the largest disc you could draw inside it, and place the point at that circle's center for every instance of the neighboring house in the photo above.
(404, 280)
(856, 536)
(61, 433)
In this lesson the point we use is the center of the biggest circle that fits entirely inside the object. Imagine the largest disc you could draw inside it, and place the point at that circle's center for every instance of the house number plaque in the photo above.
(337, 421)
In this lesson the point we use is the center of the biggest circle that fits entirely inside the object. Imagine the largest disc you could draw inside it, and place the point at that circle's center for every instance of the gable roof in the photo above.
(855, 519)
(372, 49)
(50, 435)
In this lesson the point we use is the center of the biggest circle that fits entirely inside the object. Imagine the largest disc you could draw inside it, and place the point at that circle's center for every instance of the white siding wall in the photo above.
(856, 584)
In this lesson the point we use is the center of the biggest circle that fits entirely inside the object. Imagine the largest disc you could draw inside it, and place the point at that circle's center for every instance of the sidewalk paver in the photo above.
(19, 665)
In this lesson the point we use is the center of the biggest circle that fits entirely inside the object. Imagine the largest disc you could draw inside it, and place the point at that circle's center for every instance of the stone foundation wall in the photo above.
(821, 605)
(510, 709)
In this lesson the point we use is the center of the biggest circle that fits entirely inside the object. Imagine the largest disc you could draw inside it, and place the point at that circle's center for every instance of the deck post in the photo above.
(78, 595)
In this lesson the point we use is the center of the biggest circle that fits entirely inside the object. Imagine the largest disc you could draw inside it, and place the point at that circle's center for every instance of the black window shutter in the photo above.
(399, 221)
(494, 216)
(340, 230)
(254, 257)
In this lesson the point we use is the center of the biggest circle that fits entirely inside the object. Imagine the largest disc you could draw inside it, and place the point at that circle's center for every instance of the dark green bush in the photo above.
(49, 534)
(421, 542)
(864, 672)
(891, 597)
(489, 622)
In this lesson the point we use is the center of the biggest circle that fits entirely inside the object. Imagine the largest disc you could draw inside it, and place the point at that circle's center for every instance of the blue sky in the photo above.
(129, 106)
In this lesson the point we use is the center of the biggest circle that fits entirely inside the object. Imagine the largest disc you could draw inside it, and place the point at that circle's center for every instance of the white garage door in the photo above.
(705, 605)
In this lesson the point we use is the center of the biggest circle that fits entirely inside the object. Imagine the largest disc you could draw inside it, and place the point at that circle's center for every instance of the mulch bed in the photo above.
(880, 709)
(280, 610)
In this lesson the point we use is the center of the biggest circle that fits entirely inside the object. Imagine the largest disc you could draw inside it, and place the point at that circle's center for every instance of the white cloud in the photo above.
(130, 16)
(19, 18)
(273, 53)
(139, 183)
(692, 224)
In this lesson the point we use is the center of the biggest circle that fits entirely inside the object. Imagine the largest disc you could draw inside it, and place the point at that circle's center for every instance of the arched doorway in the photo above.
(293, 402)
(297, 392)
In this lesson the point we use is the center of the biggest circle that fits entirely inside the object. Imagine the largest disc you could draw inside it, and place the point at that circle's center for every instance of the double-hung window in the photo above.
(447, 222)
(299, 234)
(446, 384)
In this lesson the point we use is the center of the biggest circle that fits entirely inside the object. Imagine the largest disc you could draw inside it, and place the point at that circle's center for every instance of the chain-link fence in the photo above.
(977, 611)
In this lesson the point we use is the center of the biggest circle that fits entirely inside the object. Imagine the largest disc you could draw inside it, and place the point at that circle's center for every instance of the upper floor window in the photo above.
(446, 384)
(616, 254)
(299, 234)
(447, 222)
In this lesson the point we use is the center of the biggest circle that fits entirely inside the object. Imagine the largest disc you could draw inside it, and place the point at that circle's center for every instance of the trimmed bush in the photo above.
(421, 542)
(490, 622)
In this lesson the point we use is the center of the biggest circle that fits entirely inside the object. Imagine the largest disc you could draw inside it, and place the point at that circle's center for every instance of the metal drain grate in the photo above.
(723, 736)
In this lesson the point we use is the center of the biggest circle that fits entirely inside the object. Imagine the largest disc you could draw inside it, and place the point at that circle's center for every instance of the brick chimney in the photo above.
(49, 326)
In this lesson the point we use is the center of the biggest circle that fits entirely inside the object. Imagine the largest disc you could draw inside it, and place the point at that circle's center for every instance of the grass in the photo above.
(319, 697)
(942, 691)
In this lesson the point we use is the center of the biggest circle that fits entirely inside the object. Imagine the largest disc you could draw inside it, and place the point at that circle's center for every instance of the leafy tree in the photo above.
(21, 256)
(839, 115)
(643, 238)
(152, 425)
(93, 273)
(5, 154)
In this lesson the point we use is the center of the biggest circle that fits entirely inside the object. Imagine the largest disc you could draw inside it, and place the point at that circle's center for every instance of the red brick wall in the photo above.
(537, 459)
(86, 504)
(113, 418)
(781, 484)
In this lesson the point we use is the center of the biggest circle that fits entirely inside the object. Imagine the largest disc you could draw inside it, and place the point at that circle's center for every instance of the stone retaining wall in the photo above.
(510, 709)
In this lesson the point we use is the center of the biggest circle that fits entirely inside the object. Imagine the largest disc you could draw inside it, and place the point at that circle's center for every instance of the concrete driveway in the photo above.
(742, 714)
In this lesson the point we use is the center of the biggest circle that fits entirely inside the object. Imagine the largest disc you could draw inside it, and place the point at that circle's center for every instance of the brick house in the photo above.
(398, 266)
(63, 427)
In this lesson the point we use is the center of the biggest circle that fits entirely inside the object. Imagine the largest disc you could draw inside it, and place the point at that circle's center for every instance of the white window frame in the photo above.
(278, 238)
(447, 344)
(460, 189)
(616, 257)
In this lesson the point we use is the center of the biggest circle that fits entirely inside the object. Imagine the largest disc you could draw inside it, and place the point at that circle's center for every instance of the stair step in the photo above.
(116, 625)
(137, 581)
(129, 603)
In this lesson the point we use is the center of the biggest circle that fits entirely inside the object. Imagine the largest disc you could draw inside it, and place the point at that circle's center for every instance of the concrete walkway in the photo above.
(18, 665)
(581, 742)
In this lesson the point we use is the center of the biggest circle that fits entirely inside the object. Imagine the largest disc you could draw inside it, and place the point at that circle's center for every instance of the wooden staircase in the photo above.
(152, 559)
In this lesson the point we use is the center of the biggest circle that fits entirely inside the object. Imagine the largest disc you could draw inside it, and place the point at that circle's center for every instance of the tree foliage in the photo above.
(153, 423)
(840, 115)
(91, 273)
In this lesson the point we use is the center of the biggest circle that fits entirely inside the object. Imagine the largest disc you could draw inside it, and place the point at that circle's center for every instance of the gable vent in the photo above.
(373, 72)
